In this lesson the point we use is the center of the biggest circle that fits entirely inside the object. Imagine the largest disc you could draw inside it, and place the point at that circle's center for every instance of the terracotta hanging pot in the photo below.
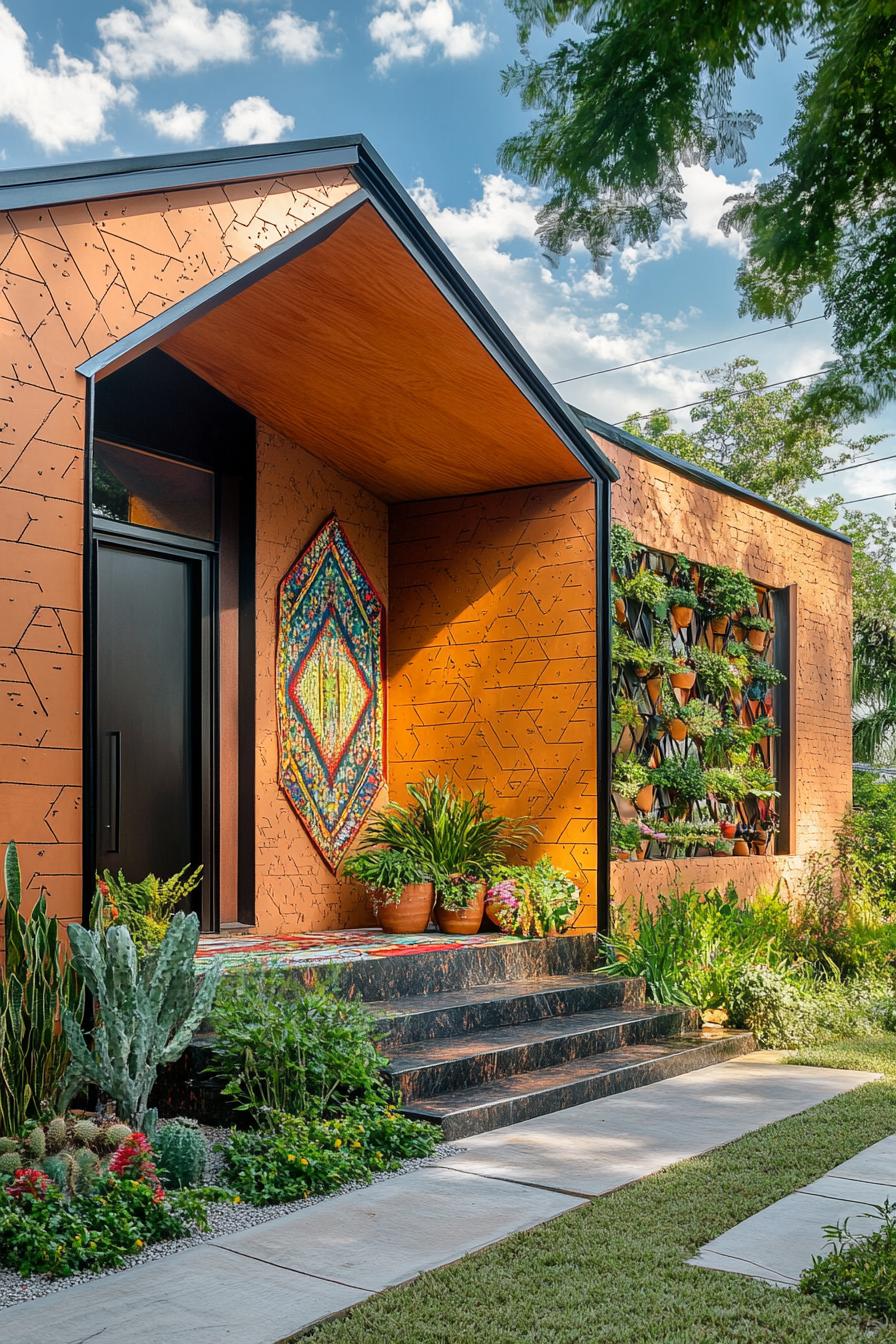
(412, 913)
(719, 624)
(678, 729)
(681, 616)
(741, 849)
(683, 680)
(642, 672)
(619, 605)
(467, 920)
(654, 687)
(738, 632)
(644, 798)
(756, 640)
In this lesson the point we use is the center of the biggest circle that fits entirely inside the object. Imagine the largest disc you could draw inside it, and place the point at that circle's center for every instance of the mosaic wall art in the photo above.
(330, 691)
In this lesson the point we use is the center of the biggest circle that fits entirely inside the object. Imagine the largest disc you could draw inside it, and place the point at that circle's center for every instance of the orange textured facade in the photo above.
(669, 512)
(73, 279)
(492, 658)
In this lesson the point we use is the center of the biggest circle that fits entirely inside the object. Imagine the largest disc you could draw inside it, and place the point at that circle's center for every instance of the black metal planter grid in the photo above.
(653, 743)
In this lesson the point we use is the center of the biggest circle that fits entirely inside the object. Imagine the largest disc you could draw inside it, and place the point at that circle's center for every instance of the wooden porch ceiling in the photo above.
(353, 352)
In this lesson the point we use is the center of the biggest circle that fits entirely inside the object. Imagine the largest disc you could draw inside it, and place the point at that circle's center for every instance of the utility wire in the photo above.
(744, 392)
(727, 340)
(854, 466)
(866, 499)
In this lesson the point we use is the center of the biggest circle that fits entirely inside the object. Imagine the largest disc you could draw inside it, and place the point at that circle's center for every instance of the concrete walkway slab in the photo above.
(202, 1296)
(394, 1230)
(596, 1147)
(877, 1163)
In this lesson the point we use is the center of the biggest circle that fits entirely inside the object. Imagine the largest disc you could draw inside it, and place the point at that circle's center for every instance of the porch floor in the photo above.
(337, 945)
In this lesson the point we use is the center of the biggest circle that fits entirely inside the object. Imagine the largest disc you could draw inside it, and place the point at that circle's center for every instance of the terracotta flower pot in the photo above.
(719, 624)
(684, 680)
(681, 615)
(412, 913)
(644, 798)
(741, 848)
(678, 729)
(756, 640)
(654, 687)
(728, 829)
(467, 920)
(738, 632)
(619, 605)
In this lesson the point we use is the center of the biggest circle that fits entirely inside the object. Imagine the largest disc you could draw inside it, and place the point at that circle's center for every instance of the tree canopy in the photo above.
(649, 87)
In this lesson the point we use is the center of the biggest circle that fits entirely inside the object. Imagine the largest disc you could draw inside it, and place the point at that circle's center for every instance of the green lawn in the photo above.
(614, 1271)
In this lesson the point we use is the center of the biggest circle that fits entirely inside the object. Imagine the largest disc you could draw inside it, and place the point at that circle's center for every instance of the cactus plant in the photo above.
(10, 1162)
(36, 1143)
(147, 1012)
(87, 1168)
(181, 1150)
(60, 1167)
(57, 1134)
(9, 1146)
(86, 1132)
(114, 1135)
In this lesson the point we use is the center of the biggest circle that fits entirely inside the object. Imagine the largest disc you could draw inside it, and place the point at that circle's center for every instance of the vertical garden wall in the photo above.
(695, 694)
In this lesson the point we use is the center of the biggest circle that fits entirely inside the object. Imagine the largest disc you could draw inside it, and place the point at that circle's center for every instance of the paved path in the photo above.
(781, 1241)
(258, 1286)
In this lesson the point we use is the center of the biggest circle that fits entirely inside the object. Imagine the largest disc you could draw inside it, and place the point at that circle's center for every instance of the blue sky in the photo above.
(422, 79)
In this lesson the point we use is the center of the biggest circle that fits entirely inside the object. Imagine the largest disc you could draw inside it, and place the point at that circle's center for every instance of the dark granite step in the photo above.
(428, 1068)
(523, 1096)
(426, 1017)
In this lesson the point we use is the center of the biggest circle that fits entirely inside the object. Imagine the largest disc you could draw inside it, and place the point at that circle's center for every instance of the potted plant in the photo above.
(675, 724)
(717, 673)
(725, 592)
(623, 547)
(728, 828)
(632, 781)
(682, 777)
(758, 629)
(401, 892)
(701, 719)
(645, 588)
(682, 604)
(625, 838)
(618, 603)
(759, 780)
(532, 901)
(681, 674)
(627, 724)
(725, 784)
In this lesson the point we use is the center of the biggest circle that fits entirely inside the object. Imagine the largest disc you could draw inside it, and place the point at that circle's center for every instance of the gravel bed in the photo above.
(224, 1219)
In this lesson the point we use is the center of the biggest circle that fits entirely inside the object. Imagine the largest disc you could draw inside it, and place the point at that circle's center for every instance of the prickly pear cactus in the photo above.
(146, 1013)
(181, 1150)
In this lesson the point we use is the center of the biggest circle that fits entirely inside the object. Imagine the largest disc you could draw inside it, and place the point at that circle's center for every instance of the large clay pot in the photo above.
(681, 616)
(678, 729)
(683, 680)
(741, 848)
(467, 920)
(412, 913)
(644, 798)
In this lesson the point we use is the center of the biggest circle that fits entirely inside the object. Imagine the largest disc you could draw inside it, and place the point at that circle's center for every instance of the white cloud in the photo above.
(171, 36)
(62, 103)
(294, 38)
(179, 122)
(705, 193)
(253, 121)
(409, 30)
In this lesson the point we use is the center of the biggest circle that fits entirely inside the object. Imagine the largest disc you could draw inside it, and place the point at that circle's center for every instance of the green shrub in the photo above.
(286, 1046)
(788, 1010)
(181, 1151)
(146, 907)
(645, 587)
(860, 1271)
(623, 546)
(866, 847)
(294, 1157)
(629, 777)
(726, 592)
(835, 928)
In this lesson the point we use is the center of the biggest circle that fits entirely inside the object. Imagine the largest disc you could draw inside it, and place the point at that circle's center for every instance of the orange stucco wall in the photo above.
(73, 279)
(296, 493)
(492, 658)
(667, 511)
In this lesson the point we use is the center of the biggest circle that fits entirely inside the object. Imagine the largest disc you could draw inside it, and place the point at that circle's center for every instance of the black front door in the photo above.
(152, 703)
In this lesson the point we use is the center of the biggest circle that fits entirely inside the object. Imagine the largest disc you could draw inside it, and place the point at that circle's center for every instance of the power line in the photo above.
(744, 392)
(854, 466)
(615, 368)
(866, 499)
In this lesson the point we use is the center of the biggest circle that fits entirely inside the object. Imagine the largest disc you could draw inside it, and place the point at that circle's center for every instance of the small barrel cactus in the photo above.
(35, 1143)
(114, 1135)
(87, 1169)
(8, 1145)
(181, 1150)
(56, 1134)
(10, 1162)
(85, 1132)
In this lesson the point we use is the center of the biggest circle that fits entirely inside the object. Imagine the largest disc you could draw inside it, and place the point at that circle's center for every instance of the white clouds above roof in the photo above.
(254, 121)
(171, 36)
(410, 30)
(180, 122)
(293, 38)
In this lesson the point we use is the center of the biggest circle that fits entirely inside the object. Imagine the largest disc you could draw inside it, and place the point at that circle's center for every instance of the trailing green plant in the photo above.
(283, 1045)
(385, 873)
(447, 832)
(858, 1270)
(625, 836)
(684, 835)
(701, 718)
(751, 621)
(716, 672)
(725, 591)
(532, 900)
(622, 546)
(626, 715)
(629, 776)
(628, 652)
(682, 776)
(293, 1157)
(37, 982)
(459, 891)
(146, 1012)
(145, 907)
(758, 780)
(683, 597)
(645, 586)
(181, 1152)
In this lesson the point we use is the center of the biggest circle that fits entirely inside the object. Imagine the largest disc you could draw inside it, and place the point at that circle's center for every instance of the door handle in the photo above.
(113, 793)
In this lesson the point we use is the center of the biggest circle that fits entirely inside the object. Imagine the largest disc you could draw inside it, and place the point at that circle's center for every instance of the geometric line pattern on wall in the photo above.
(330, 691)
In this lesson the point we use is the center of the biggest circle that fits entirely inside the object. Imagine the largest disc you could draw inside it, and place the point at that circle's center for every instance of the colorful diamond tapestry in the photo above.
(330, 691)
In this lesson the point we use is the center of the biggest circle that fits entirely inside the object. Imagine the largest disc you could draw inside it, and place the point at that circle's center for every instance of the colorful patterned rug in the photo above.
(340, 945)
(330, 691)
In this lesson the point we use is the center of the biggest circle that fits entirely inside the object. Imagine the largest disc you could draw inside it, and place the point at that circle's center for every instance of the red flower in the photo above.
(103, 886)
(28, 1181)
(132, 1161)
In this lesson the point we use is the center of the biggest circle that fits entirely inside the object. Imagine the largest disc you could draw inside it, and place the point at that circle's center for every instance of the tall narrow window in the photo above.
(145, 489)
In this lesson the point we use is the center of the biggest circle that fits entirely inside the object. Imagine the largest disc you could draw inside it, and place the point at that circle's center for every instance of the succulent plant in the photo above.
(10, 1162)
(113, 1135)
(60, 1167)
(181, 1150)
(87, 1168)
(57, 1134)
(86, 1132)
(36, 1143)
(9, 1146)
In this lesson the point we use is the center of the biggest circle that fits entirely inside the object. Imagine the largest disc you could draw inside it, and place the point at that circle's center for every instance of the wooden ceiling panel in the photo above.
(351, 350)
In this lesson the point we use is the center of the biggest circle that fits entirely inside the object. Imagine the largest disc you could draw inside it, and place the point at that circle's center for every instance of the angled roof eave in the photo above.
(623, 439)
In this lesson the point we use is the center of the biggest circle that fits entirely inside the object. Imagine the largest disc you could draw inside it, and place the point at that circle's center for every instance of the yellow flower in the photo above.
(356, 1144)
(303, 1161)
(139, 1244)
(379, 1156)
(290, 1157)
(338, 1143)
(237, 1200)
(360, 1129)
(92, 1245)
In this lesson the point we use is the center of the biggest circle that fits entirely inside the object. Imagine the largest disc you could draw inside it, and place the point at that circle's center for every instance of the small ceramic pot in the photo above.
(467, 920)
(678, 729)
(741, 849)
(412, 913)
(681, 616)
(644, 798)
(719, 624)
(757, 639)
(728, 829)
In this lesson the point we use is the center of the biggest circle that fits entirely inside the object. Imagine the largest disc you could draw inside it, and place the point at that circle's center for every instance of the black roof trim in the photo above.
(642, 448)
(93, 181)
